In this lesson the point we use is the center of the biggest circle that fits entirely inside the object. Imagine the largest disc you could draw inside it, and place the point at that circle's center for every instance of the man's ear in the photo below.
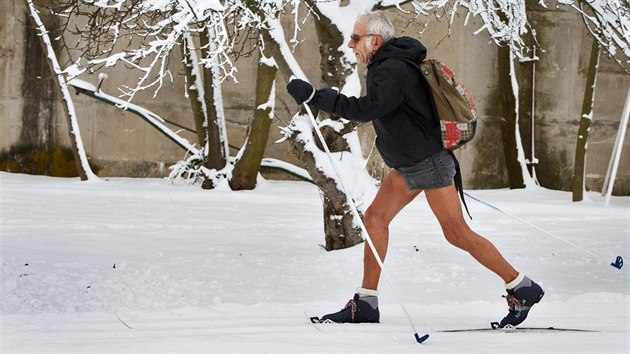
(378, 42)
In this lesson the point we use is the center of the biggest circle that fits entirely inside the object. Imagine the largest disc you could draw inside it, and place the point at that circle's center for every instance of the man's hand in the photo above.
(301, 90)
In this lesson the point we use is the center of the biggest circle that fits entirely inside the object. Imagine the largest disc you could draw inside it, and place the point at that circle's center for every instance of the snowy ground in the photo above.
(192, 271)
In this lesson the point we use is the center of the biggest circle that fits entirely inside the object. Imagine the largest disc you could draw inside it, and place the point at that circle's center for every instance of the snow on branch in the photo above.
(504, 20)
(141, 34)
(609, 22)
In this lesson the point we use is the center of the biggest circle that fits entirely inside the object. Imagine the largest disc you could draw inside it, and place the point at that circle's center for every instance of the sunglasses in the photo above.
(355, 37)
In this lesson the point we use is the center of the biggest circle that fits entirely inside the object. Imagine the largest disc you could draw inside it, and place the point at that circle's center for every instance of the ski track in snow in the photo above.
(194, 271)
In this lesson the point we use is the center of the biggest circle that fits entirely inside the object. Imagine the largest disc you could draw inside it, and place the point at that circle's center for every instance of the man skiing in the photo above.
(398, 103)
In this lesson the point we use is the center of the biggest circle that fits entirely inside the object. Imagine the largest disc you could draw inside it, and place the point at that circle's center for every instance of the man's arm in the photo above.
(384, 95)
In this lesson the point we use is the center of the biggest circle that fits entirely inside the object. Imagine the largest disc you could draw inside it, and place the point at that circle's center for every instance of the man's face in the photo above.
(362, 45)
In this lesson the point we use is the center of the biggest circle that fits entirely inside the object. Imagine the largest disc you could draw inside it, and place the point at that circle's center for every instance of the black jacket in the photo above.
(398, 103)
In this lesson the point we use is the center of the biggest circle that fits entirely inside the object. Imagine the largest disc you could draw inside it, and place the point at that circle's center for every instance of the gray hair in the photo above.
(377, 23)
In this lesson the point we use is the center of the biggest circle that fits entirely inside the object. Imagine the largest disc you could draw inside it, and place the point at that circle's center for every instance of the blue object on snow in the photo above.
(421, 339)
(618, 263)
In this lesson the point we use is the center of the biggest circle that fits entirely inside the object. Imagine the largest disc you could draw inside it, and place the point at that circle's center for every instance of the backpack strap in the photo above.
(459, 186)
(432, 100)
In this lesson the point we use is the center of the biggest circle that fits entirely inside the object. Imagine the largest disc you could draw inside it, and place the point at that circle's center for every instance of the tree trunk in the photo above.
(339, 226)
(508, 123)
(217, 156)
(193, 89)
(246, 168)
(339, 222)
(78, 150)
(335, 69)
(585, 124)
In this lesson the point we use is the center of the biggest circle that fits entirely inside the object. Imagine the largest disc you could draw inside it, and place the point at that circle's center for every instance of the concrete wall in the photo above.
(121, 144)
(560, 86)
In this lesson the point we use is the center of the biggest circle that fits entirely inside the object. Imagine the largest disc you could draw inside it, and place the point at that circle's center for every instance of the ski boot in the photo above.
(358, 310)
(520, 300)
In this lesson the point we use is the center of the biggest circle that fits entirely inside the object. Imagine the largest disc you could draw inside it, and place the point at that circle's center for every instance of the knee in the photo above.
(458, 235)
(453, 239)
(374, 219)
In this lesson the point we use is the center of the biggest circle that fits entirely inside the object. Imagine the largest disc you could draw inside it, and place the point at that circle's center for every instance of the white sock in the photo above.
(515, 282)
(366, 292)
(368, 295)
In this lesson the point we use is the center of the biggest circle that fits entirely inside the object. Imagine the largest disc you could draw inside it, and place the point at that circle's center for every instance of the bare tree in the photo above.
(586, 118)
(248, 161)
(609, 24)
(608, 21)
(61, 80)
(142, 35)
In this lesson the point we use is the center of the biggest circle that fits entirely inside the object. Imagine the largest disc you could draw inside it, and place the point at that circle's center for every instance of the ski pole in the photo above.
(353, 208)
(617, 263)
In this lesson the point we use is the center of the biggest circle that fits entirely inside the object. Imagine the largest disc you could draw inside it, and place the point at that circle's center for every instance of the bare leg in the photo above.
(447, 208)
(392, 196)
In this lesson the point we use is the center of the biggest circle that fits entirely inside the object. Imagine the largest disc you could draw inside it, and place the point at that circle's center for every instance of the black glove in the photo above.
(301, 90)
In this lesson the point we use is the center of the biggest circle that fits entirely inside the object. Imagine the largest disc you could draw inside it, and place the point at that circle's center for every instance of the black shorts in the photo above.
(436, 171)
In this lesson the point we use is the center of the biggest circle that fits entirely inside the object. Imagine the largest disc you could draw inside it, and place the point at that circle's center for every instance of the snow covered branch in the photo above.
(504, 20)
(609, 22)
(141, 34)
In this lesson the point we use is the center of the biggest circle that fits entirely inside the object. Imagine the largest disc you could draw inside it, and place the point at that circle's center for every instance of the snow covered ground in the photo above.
(141, 266)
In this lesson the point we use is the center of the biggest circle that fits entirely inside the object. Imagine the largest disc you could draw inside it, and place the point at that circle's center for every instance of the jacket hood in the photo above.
(403, 47)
